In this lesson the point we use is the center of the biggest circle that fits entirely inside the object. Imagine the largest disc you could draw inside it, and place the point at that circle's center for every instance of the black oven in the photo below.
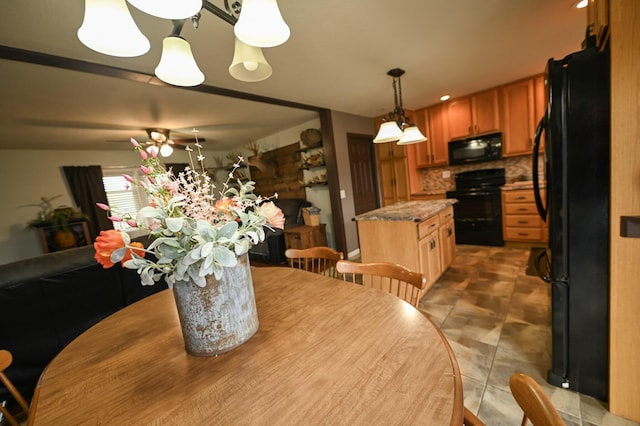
(475, 149)
(478, 212)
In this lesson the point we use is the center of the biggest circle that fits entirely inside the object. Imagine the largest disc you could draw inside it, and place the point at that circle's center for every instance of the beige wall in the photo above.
(342, 124)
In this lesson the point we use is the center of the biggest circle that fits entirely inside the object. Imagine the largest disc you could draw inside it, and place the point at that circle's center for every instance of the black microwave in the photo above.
(475, 149)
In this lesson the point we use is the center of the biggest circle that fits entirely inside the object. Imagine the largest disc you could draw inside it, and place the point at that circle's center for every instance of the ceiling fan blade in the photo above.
(188, 140)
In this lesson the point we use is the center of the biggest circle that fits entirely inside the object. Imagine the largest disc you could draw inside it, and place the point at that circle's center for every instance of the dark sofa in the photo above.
(272, 249)
(49, 300)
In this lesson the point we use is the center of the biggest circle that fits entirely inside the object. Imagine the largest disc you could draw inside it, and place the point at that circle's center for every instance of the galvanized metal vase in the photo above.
(220, 316)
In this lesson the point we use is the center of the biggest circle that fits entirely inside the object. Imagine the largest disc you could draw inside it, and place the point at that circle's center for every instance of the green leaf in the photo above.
(229, 229)
(174, 224)
(224, 257)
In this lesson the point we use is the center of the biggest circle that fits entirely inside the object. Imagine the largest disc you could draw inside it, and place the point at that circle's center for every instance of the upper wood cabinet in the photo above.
(438, 134)
(473, 115)
(433, 123)
(598, 21)
(539, 92)
(518, 111)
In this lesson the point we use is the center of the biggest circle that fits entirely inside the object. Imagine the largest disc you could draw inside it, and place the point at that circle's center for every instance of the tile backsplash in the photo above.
(516, 169)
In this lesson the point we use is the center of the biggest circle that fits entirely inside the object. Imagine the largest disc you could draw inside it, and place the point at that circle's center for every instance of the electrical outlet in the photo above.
(446, 174)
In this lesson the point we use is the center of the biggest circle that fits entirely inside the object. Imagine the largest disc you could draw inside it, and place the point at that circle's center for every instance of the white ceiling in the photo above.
(337, 58)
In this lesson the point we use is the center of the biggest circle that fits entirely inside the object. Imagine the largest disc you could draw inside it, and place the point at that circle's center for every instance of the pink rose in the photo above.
(274, 215)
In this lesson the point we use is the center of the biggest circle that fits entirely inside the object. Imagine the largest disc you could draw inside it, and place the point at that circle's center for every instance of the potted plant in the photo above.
(58, 219)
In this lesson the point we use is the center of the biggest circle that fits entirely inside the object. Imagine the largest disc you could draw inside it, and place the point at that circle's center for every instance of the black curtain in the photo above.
(87, 189)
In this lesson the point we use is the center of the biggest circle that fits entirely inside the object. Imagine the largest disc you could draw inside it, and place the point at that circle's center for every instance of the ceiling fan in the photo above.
(161, 143)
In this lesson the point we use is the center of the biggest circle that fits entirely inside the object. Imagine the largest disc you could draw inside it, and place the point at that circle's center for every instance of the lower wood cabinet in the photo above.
(447, 231)
(427, 246)
(304, 236)
(520, 219)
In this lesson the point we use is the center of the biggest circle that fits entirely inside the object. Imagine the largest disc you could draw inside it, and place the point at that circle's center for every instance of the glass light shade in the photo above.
(177, 65)
(152, 149)
(260, 24)
(169, 9)
(411, 135)
(389, 132)
(166, 150)
(249, 63)
(109, 28)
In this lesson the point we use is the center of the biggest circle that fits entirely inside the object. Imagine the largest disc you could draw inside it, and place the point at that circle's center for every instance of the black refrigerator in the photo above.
(576, 130)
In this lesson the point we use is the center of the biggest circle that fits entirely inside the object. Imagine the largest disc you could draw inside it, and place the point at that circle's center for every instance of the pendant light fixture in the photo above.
(397, 126)
(177, 65)
(108, 28)
(261, 25)
(168, 9)
(249, 63)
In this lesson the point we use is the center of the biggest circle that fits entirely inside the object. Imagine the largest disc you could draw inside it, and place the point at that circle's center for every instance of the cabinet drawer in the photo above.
(523, 221)
(523, 208)
(446, 214)
(428, 226)
(523, 234)
(521, 196)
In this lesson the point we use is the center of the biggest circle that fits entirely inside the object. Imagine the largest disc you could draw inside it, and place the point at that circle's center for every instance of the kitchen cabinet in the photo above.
(473, 115)
(433, 123)
(598, 21)
(518, 117)
(520, 219)
(429, 249)
(393, 172)
(540, 104)
(410, 234)
(447, 233)
(304, 236)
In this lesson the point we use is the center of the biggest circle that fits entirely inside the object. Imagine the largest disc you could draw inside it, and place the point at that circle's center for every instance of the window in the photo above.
(122, 196)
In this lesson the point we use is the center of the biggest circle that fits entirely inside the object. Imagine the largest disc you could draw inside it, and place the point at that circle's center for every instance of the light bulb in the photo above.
(250, 65)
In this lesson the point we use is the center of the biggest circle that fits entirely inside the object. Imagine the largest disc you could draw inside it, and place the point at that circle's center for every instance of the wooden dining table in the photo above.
(326, 352)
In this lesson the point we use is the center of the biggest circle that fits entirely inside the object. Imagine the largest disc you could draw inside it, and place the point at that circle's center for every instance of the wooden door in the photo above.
(459, 112)
(485, 113)
(518, 110)
(387, 182)
(438, 134)
(421, 151)
(540, 104)
(401, 179)
(363, 179)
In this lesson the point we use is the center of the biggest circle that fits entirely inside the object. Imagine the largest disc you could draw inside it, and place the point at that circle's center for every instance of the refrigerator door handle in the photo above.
(542, 210)
(542, 266)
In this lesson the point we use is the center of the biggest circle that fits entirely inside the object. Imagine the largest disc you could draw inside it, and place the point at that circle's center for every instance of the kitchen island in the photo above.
(419, 235)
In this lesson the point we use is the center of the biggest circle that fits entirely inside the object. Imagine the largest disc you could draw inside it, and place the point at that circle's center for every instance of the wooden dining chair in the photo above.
(535, 404)
(320, 260)
(14, 419)
(471, 419)
(389, 277)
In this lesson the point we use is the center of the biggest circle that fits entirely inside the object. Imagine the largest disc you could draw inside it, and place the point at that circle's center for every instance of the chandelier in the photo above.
(108, 28)
(397, 126)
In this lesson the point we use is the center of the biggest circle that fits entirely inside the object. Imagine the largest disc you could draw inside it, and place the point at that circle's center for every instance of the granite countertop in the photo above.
(431, 192)
(524, 184)
(415, 211)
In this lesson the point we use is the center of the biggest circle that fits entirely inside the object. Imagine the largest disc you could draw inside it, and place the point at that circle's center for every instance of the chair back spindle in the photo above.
(5, 361)
(389, 277)
(319, 260)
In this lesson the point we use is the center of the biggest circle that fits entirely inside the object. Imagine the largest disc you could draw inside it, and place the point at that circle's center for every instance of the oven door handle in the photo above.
(542, 210)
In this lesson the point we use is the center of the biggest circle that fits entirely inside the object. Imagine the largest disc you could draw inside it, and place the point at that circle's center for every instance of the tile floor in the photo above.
(496, 319)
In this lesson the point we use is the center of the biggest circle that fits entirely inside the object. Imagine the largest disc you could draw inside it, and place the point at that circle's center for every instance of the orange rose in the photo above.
(108, 242)
(224, 204)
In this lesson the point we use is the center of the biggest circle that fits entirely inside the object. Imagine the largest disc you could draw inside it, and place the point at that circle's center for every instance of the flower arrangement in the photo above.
(194, 233)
